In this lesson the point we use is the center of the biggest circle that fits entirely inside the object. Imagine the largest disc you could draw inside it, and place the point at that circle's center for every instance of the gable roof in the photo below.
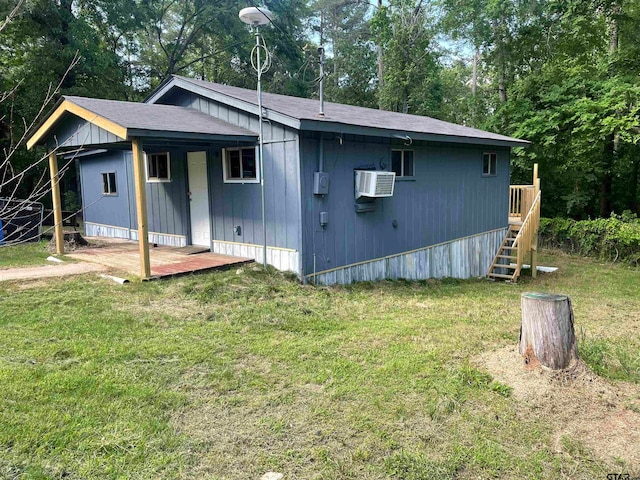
(130, 119)
(304, 114)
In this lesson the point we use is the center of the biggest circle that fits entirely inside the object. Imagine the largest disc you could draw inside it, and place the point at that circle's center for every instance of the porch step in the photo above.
(499, 275)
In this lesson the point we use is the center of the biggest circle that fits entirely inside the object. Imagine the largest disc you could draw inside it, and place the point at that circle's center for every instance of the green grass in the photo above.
(24, 255)
(231, 375)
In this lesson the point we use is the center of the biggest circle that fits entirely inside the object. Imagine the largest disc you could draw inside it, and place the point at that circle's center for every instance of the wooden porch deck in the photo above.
(124, 255)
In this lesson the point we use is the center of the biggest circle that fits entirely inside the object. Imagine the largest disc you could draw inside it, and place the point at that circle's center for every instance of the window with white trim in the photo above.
(240, 165)
(109, 186)
(489, 163)
(158, 167)
(402, 163)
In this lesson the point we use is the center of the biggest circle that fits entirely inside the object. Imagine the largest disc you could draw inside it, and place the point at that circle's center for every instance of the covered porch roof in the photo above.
(86, 123)
(79, 122)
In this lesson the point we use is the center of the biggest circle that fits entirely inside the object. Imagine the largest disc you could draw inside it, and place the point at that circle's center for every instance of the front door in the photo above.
(199, 198)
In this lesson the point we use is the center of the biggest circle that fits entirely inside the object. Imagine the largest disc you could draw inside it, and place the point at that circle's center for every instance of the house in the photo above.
(185, 162)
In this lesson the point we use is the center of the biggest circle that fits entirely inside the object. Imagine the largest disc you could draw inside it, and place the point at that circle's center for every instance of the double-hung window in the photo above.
(240, 165)
(402, 163)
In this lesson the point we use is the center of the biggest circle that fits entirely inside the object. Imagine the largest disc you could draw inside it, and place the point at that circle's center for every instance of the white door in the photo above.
(199, 198)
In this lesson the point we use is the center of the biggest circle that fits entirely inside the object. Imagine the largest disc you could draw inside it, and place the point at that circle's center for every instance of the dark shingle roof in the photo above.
(307, 109)
(144, 116)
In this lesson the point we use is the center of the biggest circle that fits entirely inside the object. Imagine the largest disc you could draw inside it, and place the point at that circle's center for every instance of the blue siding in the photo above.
(239, 204)
(73, 131)
(167, 210)
(448, 199)
(105, 209)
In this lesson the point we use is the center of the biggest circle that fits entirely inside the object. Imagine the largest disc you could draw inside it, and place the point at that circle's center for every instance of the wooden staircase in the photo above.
(521, 238)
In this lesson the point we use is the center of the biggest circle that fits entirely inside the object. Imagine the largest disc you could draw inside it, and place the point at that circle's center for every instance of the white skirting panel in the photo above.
(462, 258)
(98, 230)
(286, 260)
(163, 239)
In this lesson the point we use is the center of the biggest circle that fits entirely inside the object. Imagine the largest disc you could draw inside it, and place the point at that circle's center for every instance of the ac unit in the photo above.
(371, 183)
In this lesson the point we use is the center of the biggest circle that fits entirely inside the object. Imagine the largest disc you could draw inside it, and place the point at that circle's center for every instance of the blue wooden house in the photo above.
(354, 194)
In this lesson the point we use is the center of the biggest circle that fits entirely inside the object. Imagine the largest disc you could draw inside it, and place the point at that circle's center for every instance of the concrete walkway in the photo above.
(49, 271)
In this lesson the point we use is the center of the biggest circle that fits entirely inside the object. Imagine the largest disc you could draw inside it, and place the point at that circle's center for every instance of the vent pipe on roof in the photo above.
(321, 93)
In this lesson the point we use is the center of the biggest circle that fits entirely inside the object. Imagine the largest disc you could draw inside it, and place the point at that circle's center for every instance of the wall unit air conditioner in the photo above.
(374, 184)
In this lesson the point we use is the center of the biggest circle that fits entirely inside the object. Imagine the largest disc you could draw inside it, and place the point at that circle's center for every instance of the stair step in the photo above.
(502, 265)
(498, 275)
(504, 247)
(506, 256)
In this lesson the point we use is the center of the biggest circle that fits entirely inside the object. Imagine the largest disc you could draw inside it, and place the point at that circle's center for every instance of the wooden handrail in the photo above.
(520, 200)
(530, 226)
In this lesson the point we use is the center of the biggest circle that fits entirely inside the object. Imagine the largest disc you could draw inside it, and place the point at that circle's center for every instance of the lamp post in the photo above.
(256, 17)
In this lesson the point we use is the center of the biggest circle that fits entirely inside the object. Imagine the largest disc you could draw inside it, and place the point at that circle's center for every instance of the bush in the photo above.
(616, 238)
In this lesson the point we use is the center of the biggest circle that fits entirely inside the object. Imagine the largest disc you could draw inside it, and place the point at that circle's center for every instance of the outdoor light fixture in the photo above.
(257, 16)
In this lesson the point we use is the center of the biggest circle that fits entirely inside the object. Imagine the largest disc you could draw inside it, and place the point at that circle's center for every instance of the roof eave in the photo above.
(64, 106)
(328, 126)
(214, 137)
(234, 102)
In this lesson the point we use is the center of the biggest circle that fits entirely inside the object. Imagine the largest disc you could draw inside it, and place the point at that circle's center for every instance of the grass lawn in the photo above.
(26, 254)
(231, 375)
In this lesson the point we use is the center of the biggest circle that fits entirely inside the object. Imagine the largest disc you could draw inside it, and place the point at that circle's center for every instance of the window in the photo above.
(489, 161)
(109, 183)
(158, 167)
(402, 163)
(240, 165)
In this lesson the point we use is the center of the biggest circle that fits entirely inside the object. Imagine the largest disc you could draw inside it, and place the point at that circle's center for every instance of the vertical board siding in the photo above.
(167, 210)
(447, 199)
(463, 258)
(73, 131)
(99, 208)
(240, 204)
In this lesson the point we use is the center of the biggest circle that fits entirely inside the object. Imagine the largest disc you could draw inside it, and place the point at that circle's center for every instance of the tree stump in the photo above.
(547, 334)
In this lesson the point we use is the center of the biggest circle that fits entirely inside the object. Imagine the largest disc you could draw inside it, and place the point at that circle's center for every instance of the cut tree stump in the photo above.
(547, 334)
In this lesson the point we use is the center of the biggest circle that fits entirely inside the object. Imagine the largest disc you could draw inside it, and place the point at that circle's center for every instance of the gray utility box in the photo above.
(320, 183)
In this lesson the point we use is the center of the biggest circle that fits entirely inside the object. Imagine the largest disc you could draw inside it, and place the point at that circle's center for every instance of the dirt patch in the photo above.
(579, 404)
(48, 271)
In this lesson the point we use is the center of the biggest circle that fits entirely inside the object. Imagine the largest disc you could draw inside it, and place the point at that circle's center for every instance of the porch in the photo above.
(80, 126)
(124, 256)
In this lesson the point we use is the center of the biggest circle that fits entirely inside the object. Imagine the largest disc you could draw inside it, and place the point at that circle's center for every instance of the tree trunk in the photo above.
(547, 335)
(379, 48)
(634, 204)
(606, 182)
(474, 78)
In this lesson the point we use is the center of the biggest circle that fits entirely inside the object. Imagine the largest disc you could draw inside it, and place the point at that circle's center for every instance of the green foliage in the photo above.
(410, 83)
(616, 238)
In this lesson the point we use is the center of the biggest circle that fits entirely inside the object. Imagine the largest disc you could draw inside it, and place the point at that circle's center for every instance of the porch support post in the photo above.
(141, 207)
(534, 239)
(57, 205)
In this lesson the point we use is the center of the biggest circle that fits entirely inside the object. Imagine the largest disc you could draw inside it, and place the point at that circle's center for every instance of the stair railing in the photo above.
(524, 239)
(520, 200)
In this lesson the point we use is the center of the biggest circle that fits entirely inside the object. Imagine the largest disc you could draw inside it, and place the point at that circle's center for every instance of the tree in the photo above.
(411, 68)
(343, 29)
